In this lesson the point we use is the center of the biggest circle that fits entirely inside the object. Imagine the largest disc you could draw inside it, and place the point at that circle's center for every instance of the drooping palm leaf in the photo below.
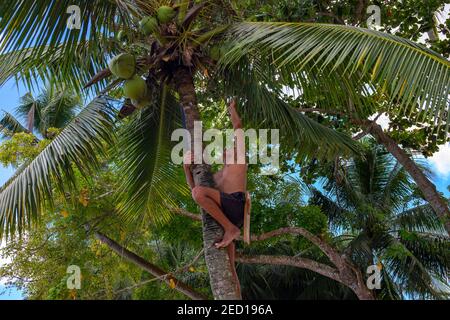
(10, 125)
(338, 217)
(410, 73)
(382, 222)
(35, 35)
(150, 180)
(433, 251)
(421, 218)
(71, 69)
(53, 108)
(77, 146)
(417, 271)
(58, 108)
(264, 108)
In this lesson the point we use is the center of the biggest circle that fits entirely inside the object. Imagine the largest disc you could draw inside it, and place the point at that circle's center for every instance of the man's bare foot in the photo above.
(228, 237)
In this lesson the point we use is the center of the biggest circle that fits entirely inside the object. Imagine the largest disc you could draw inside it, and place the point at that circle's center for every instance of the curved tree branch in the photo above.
(327, 249)
(298, 262)
(345, 272)
(147, 266)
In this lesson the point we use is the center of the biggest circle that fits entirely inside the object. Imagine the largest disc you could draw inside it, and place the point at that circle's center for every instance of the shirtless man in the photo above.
(226, 203)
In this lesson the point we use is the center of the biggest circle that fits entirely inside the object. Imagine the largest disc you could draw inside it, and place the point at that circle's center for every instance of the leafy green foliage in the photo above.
(39, 261)
(150, 181)
(69, 55)
(10, 125)
(321, 49)
(372, 205)
(20, 148)
(262, 107)
(341, 68)
(32, 187)
(53, 108)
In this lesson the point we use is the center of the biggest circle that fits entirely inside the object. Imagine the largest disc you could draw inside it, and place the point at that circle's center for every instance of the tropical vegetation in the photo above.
(149, 67)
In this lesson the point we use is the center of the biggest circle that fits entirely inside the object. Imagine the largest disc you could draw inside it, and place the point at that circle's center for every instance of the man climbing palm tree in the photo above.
(228, 203)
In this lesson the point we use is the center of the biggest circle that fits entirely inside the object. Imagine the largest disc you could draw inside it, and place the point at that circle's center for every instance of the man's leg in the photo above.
(209, 200)
(232, 255)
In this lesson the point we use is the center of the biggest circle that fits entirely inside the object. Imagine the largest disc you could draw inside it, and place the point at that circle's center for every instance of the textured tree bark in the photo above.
(147, 266)
(360, 11)
(222, 281)
(428, 189)
(298, 262)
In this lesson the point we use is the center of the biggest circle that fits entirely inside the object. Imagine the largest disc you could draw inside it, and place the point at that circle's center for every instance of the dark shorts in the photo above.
(233, 206)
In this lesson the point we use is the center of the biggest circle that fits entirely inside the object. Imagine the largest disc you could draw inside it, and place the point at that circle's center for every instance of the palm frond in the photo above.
(338, 217)
(421, 218)
(409, 73)
(56, 66)
(35, 35)
(433, 251)
(77, 146)
(58, 108)
(10, 125)
(53, 107)
(151, 182)
(264, 108)
(412, 273)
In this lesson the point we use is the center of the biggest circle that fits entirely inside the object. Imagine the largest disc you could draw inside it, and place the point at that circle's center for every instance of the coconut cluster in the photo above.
(123, 66)
(149, 25)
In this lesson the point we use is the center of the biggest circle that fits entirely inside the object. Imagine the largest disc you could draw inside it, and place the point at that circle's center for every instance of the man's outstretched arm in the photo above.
(239, 145)
(187, 161)
(235, 119)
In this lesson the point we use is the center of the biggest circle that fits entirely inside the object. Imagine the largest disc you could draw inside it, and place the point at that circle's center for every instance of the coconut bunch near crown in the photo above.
(172, 39)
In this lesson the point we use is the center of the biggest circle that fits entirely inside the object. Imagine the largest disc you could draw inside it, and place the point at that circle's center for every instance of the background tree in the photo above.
(53, 108)
(380, 218)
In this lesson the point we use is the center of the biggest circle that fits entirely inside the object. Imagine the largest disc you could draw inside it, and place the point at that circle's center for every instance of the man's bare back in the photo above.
(232, 178)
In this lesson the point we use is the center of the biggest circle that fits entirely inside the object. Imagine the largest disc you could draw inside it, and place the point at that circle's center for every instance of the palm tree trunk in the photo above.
(221, 277)
(428, 189)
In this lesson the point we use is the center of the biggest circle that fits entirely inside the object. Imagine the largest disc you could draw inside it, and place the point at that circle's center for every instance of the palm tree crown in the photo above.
(52, 108)
(380, 218)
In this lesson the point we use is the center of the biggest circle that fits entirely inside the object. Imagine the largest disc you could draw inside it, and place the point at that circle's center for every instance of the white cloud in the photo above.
(382, 120)
(441, 160)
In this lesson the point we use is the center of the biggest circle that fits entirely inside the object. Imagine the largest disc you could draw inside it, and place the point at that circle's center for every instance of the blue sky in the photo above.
(10, 293)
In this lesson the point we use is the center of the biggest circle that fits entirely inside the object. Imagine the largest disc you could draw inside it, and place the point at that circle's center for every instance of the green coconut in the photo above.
(123, 66)
(135, 88)
(166, 14)
(148, 25)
